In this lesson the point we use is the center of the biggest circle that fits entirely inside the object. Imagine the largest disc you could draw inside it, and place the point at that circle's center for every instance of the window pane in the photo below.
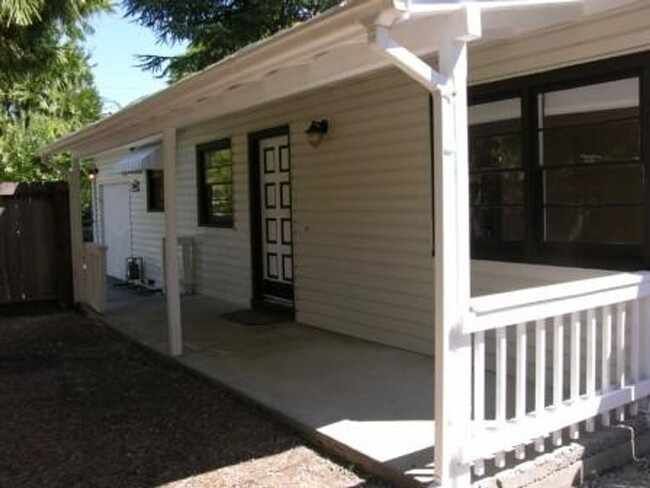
(496, 182)
(155, 190)
(497, 224)
(494, 150)
(596, 137)
(218, 174)
(613, 225)
(590, 151)
(219, 157)
(593, 98)
(497, 188)
(593, 186)
(220, 200)
(495, 134)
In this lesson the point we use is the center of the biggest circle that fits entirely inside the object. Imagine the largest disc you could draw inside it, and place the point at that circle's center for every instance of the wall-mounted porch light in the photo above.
(316, 132)
(93, 172)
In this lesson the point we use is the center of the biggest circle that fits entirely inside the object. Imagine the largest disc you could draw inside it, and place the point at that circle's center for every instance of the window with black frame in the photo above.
(215, 184)
(155, 191)
(590, 162)
(578, 196)
(496, 175)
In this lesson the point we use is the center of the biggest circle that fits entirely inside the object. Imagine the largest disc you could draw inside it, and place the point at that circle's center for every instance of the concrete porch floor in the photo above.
(369, 399)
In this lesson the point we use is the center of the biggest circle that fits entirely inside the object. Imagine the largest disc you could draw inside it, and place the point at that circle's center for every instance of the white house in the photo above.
(310, 170)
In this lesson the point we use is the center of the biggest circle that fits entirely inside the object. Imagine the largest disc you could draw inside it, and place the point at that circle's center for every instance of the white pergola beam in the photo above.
(172, 283)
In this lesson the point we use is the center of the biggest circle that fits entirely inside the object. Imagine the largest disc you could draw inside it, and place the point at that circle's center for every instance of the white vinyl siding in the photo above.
(147, 227)
(363, 261)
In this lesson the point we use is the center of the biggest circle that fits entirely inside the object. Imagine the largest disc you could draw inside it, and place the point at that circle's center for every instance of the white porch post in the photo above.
(452, 268)
(76, 228)
(172, 287)
(453, 348)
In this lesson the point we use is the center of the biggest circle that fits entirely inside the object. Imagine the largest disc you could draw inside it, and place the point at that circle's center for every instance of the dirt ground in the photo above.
(82, 407)
(633, 475)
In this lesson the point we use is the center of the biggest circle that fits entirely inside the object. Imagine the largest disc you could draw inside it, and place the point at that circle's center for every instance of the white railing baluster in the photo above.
(540, 365)
(540, 374)
(621, 303)
(606, 365)
(479, 468)
(635, 340)
(621, 317)
(558, 369)
(500, 460)
(575, 366)
(501, 373)
(520, 405)
(591, 362)
(479, 378)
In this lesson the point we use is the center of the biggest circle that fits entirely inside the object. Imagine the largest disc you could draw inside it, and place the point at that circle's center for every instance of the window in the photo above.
(496, 173)
(215, 189)
(556, 168)
(592, 176)
(155, 191)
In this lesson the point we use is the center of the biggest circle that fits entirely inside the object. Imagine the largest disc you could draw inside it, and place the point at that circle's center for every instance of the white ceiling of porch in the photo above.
(325, 50)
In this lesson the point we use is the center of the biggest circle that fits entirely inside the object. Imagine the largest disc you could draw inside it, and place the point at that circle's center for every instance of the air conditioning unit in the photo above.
(135, 270)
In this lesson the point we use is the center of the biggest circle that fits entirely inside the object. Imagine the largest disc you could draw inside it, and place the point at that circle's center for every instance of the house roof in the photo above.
(330, 47)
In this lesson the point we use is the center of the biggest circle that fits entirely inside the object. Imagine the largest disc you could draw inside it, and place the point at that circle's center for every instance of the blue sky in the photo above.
(113, 47)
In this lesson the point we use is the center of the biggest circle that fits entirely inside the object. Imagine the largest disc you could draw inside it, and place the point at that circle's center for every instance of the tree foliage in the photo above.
(214, 28)
(46, 85)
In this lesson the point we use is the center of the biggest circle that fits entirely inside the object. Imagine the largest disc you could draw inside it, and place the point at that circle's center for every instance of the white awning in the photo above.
(139, 160)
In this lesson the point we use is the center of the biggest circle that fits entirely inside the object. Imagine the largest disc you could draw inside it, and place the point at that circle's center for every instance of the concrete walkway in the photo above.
(371, 401)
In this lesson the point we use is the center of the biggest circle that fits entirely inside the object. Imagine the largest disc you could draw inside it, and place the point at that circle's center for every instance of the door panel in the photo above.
(275, 212)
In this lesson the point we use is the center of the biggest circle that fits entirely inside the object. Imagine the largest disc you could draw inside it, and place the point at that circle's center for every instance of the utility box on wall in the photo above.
(186, 264)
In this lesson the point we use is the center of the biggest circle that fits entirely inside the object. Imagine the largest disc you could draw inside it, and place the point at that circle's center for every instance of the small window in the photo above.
(214, 180)
(155, 191)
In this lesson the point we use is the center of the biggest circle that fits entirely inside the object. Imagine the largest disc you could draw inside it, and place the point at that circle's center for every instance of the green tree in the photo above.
(214, 28)
(46, 85)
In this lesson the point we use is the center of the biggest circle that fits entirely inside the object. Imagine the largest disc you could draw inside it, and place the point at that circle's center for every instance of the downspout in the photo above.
(453, 347)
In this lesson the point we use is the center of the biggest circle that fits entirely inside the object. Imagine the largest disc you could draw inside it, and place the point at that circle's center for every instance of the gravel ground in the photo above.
(82, 407)
(633, 475)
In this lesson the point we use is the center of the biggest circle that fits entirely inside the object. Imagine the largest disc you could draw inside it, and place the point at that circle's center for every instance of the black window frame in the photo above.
(205, 219)
(534, 249)
(151, 206)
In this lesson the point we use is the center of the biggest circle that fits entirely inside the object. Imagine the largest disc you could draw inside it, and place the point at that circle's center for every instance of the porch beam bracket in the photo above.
(452, 346)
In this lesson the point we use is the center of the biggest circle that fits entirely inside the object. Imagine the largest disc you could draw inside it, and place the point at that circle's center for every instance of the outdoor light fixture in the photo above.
(92, 173)
(316, 132)
(135, 186)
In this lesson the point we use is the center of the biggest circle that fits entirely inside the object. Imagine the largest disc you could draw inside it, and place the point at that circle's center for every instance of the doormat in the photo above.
(256, 317)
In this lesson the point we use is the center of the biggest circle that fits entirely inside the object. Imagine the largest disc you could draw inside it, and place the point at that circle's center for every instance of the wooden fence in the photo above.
(35, 255)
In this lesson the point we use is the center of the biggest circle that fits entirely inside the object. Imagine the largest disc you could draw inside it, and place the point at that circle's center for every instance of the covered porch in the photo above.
(523, 355)
(370, 403)
(374, 404)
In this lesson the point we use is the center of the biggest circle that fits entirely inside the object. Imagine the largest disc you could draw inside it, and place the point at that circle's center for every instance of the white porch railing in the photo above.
(93, 276)
(549, 358)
